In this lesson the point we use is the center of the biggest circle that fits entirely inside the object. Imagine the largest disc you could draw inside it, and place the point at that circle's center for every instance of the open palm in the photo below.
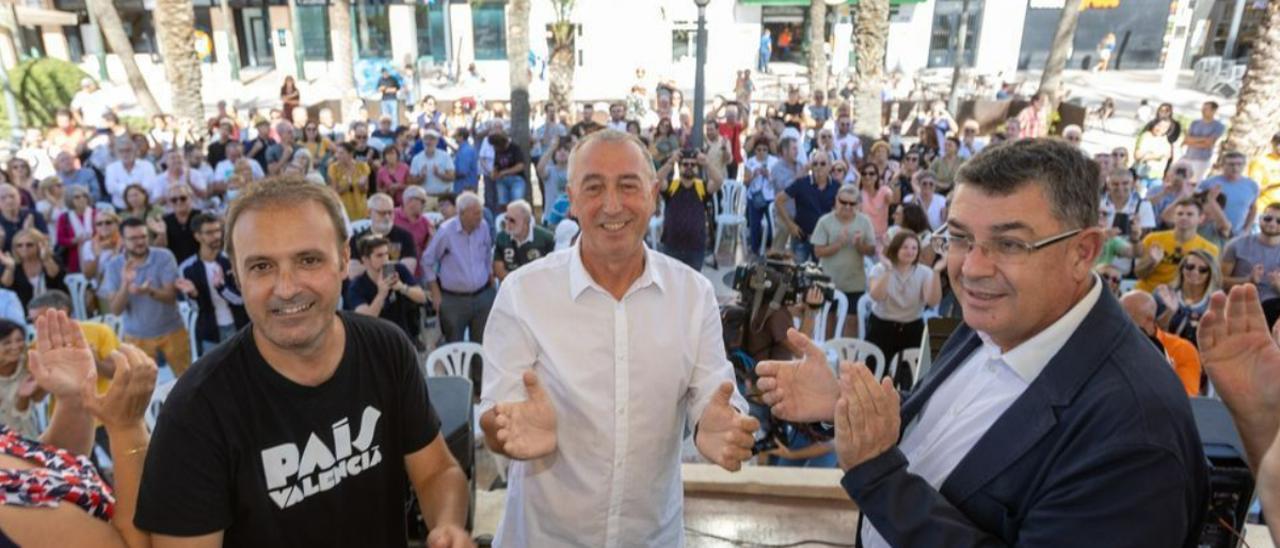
(1241, 356)
(527, 429)
(803, 389)
(61, 362)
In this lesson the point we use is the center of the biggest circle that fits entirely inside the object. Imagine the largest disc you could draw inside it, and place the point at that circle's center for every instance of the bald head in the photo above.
(1141, 308)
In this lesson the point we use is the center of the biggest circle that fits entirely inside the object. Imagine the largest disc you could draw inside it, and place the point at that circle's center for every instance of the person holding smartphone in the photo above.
(386, 289)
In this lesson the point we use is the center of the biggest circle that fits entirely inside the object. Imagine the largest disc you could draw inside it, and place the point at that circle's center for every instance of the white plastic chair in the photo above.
(77, 285)
(190, 312)
(841, 303)
(854, 350)
(453, 359)
(160, 394)
(731, 211)
(358, 226)
(768, 221)
(1127, 285)
(655, 226)
(864, 312)
(912, 358)
(435, 217)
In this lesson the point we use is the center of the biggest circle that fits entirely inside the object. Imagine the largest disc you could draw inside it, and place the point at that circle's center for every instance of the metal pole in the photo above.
(953, 100)
(298, 57)
(1229, 51)
(101, 51)
(233, 50)
(700, 84)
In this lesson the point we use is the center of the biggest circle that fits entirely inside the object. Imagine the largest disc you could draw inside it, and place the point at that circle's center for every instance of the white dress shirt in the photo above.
(118, 179)
(625, 376)
(974, 397)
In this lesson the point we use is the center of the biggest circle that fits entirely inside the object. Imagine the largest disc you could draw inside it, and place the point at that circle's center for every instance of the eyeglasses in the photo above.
(839, 169)
(870, 174)
(23, 244)
(1004, 250)
(926, 184)
(848, 203)
(382, 211)
(1268, 219)
(178, 199)
(1111, 279)
(1188, 267)
(104, 223)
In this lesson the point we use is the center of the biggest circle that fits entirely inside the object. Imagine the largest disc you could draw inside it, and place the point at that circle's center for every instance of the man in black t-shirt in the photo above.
(684, 221)
(389, 88)
(303, 429)
(178, 235)
(509, 166)
(386, 290)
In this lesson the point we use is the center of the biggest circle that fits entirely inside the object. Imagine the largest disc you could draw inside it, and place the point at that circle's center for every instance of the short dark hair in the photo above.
(1211, 104)
(895, 244)
(131, 222)
(1234, 155)
(1068, 177)
(198, 222)
(56, 299)
(1190, 201)
(369, 243)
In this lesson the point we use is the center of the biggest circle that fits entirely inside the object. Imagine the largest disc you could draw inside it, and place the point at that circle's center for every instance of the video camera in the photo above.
(788, 282)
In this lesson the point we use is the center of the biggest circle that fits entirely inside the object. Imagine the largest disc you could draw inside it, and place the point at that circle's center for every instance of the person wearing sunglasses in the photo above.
(1162, 251)
(1255, 258)
(842, 240)
(1184, 301)
(814, 196)
(1045, 416)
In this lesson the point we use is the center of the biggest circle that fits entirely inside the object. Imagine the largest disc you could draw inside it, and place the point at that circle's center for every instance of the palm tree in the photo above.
(175, 19)
(233, 46)
(1051, 79)
(1259, 98)
(562, 55)
(113, 32)
(872, 34)
(817, 45)
(518, 69)
(343, 56)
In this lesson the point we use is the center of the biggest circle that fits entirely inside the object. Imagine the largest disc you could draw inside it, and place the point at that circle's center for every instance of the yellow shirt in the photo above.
(1167, 271)
(102, 341)
(1265, 169)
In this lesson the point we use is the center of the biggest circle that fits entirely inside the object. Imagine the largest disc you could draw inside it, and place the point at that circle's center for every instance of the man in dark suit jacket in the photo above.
(197, 285)
(1048, 418)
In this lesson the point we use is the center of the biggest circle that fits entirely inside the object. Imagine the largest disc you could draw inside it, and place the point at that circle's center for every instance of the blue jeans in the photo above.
(391, 107)
(763, 65)
(510, 189)
(802, 249)
(695, 259)
(757, 211)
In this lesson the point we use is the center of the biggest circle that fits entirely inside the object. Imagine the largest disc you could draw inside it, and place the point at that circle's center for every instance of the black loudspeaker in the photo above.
(451, 398)
(1231, 483)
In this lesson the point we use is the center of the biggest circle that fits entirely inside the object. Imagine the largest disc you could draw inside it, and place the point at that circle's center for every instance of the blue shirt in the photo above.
(462, 262)
(83, 177)
(811, 203)
(466, 167)
(1241, 194)
(145, 317)
(11, 307)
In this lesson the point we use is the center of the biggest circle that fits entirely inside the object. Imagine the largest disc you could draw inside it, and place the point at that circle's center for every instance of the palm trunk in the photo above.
(562, 56)
(1051, 79)
(1260, 94)
(343, 58)
(817, 46)
(872, 34)
(113, 32)
(175, 19)
(233, 46)
(518, 70)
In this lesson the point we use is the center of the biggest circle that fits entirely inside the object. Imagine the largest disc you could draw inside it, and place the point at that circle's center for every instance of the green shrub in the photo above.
(41, 87)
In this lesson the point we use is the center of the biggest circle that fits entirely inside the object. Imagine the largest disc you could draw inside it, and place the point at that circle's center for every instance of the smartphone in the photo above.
(388, 270)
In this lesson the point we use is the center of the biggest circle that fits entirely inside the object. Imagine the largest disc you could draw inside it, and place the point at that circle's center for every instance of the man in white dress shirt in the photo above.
(1047, 419)
(597, 357)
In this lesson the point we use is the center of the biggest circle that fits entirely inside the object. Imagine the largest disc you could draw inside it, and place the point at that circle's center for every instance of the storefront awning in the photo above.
(805, 3)
(40, 17)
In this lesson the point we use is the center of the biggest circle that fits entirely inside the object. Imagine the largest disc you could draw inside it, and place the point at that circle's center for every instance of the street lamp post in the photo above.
(699, 83)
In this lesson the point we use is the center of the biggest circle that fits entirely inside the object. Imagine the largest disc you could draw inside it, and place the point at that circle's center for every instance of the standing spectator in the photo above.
(67, 168)
(1202, 139)
(1185, 301)
(522, 242)
(1164, 113)
(731, 128)
(1241, 192)
(944, 169)
(509, 170)
(1032, 119)
(1152, 153)
(1106, 47)
(815, 196)
(842, 240)
(260, 144)
(1125, 207)
(684, 221)
(290, 97)
(393, 176)
(1255, 259)
(715, 147)
(179, 234)
(1182, 355)
(1265, 169)
(665, 143)
(553, 172)
(429, 115)
(547, 135)
(126, 170)
(617, 116)
(782, 174)
(901, 288)
(819, 111)
(32, 269)
(225, 135)
(389, 89)
(1162, 251)
(876, 199)
(92, 104)
(433, 168)
(934, 206)
(104, 245)
(14, 217)
(209, 279)
(766, 50)
(848, 146)
(466, 168)
(75, 227)
(386, 289)
(793, 111)
(461, 252)
(139, 285)
(226, 168)
(350, 179)
(760, 194)
(65, 135)
(410, 218)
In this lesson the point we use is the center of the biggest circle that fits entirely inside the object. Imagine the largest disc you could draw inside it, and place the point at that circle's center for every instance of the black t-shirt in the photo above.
(684, 223)
(503, 159)
(390, 87)
(216, 152)
(241, 449)
(793, 113)
(397, 308)
(182, 241)
(396, 236)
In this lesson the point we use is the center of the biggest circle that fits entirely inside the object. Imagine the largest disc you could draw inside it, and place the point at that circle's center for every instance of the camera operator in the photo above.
(684, 222)
(842, 240)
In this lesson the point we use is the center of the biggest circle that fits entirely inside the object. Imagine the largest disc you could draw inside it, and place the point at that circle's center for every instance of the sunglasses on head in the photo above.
(849, 203)
(1190, 267)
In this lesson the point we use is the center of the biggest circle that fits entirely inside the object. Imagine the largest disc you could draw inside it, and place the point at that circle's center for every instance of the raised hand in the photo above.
(1243, 361)
(61, 362)
(725, 436)
(527, 429)
(126, 401)
(1156, 253)
(867, 416)
(800, 390)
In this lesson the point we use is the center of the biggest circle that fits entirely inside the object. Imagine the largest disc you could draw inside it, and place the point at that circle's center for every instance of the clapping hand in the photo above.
(61, 362)
(799, 390)
(527, 429)
(725, 436)
(186, 286)
(126, 401)
(867, 416)
(1156, 253)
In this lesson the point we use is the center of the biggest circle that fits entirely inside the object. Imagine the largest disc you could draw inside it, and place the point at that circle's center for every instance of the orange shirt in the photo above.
(1185, 358)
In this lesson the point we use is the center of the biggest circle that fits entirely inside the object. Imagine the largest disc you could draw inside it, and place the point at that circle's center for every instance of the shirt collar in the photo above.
(580, 279)
(1032, 356)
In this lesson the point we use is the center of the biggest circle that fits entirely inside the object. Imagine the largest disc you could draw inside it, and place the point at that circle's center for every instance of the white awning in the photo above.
(38, 17)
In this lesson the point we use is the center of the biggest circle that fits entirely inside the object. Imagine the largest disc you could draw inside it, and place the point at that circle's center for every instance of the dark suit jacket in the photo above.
(206, 319)
(1101, 450)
